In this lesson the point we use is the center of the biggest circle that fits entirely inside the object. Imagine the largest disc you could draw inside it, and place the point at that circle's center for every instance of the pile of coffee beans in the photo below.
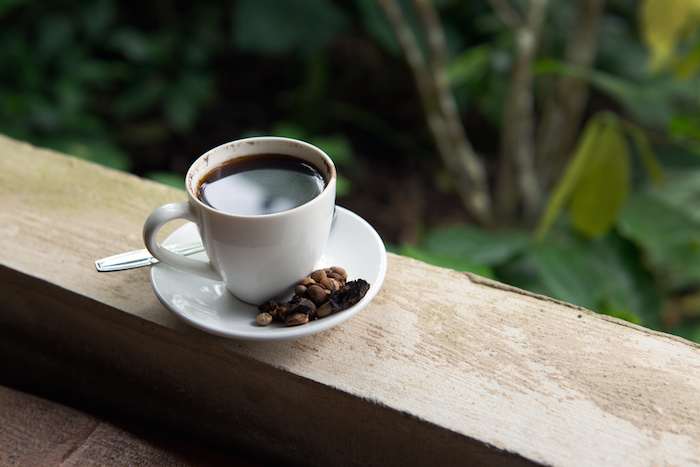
(323, 292)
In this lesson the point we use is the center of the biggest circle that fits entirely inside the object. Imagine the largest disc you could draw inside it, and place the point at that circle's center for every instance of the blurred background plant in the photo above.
(554, 146)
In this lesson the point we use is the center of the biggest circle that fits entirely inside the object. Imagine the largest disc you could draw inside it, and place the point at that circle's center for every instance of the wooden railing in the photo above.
(441, 368)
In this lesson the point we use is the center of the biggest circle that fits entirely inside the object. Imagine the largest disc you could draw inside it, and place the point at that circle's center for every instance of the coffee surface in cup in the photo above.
(261, 184)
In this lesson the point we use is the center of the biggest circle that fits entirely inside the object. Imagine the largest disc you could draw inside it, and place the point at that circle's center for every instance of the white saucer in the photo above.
(205, 304)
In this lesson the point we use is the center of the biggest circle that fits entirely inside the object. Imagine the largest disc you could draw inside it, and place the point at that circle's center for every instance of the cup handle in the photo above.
(156, 220)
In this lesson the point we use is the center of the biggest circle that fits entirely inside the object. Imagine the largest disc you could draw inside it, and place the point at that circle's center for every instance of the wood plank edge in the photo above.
(74, 350)
(486, 282)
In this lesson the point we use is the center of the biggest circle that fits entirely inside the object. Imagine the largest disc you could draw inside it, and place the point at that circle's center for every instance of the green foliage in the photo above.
(79, 71)
(281, 26)
(667, 234)
(477, 245)
(446, 261)
(597, 180)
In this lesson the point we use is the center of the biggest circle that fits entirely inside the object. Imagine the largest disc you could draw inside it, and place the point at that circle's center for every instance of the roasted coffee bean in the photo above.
(316, 294)
(283, 310)
(302, 305)
(264, 319)
(308, 281)
(267, 306)
(300, 290)
(338, 277)
(324, 310)
(330, 284)
(340, 271)
(349, 294)
(295, 319)
(318, 275)
(322, 293)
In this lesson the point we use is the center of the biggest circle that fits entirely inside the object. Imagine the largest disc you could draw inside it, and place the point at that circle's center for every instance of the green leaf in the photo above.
(450, 262)
(603, 184)
(131, 43)
(477, 245)
(600, 275)
(569, 274)
(651, 163)
(667, 236)
(682, 193)
(565, 187)
(56, 34)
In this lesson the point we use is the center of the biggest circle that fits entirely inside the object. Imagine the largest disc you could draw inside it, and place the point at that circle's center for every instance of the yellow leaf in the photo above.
(604, 183)
(663, 23)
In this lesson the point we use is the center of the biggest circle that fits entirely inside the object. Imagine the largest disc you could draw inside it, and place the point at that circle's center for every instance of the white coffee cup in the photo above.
(258, 257)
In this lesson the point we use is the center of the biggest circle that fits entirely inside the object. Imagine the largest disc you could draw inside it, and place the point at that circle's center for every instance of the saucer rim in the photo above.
(276, 332)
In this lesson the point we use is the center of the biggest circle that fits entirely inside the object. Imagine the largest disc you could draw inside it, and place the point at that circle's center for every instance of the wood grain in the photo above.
(441, 365)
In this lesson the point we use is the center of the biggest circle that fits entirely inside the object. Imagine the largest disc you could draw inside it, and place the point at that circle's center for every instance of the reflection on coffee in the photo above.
(261, 184)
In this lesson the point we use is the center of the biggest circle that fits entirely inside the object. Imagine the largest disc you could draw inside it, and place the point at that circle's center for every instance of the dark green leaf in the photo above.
(138, 99)
(477, 245)
(450, 262)
(56, 33)
(598, 275)
(668, 236)
(132, 44)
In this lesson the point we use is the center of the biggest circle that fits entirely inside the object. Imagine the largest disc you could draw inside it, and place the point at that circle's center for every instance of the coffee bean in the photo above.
(324, 292)
(300, 290)
(264, 319)
(340, 271)
(295, 319)
(324, 310)
(316, 294)
(318, 275)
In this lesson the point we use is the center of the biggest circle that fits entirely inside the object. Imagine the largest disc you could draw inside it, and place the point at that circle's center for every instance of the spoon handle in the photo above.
(140, 258)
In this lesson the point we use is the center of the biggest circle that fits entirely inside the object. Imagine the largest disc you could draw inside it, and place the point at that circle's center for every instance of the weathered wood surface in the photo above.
(39, 433)
(441, 368)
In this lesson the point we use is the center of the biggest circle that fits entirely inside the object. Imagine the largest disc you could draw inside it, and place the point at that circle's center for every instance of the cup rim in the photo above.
(191, 180)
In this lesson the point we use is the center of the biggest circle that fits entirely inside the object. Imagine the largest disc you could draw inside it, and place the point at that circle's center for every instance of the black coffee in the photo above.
(261, 184)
